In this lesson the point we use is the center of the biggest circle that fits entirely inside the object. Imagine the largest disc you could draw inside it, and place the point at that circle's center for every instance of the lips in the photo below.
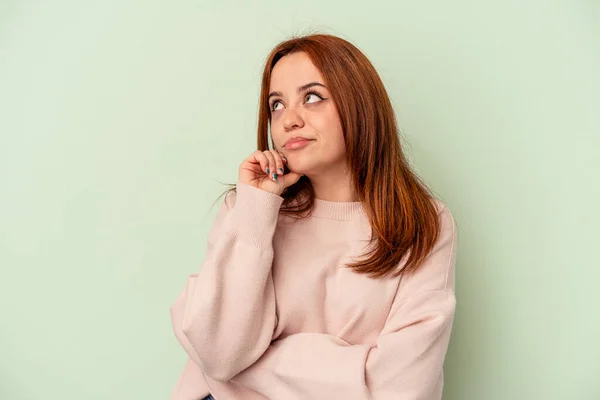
(297, 142)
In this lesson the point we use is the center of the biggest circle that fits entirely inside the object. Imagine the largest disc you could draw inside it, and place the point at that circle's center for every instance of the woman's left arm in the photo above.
(405, 363)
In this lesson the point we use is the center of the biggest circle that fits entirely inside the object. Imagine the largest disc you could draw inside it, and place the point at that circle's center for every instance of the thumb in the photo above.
(291, 178)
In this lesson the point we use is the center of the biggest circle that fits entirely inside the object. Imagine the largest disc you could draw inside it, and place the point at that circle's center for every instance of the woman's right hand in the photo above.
(265, 170)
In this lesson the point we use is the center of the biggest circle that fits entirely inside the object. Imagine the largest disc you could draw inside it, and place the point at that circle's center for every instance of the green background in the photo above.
(119, 121)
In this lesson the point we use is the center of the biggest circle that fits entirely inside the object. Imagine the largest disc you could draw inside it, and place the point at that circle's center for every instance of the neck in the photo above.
(334, 186)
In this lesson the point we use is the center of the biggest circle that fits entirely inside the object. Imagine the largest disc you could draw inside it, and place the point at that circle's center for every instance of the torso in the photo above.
(322, 295)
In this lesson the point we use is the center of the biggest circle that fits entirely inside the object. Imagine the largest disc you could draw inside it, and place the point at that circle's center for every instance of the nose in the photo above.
(292, 120)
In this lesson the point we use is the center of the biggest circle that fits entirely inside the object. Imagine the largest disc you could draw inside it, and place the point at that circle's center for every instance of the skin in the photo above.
(301, 107)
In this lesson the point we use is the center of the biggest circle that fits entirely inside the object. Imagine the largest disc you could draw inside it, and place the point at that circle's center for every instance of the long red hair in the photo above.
(400, 207)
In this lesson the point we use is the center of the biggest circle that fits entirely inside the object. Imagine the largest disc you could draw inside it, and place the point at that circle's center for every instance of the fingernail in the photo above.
(274, 177)
(268, 171)
(280, 171)
(284, 159)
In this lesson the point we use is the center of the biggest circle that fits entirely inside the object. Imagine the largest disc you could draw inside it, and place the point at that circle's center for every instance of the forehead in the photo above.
(292, 71)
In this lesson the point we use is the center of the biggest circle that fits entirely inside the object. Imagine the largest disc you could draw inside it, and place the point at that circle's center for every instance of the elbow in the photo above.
(224, 346)
(217, 359)
(218, 366)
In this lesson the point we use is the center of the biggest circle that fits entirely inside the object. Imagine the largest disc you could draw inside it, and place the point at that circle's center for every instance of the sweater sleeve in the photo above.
(225, 316)
(406, 362)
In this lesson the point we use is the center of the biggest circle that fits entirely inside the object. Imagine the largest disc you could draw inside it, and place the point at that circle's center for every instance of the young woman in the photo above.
(329, 272)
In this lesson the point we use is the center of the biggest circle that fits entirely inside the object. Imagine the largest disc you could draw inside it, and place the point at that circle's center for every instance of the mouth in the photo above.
(297, 142)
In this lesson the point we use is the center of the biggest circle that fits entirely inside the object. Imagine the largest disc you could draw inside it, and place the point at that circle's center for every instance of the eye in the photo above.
(312, 94)
(315, 95)
(274, 104)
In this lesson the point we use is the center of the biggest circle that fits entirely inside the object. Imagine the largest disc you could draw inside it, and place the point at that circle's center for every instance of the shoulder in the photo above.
(442, 208)
(446, 240)
(447, 229)
(447, 224)
(229, 198)
(436, 272)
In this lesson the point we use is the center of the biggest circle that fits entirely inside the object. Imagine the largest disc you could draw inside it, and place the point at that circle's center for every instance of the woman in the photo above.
(329, 272)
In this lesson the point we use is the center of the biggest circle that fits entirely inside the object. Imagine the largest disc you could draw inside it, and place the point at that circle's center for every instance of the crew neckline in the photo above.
(340, 210)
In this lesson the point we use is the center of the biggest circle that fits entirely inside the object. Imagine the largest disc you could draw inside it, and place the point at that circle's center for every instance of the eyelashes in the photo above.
(310, 92)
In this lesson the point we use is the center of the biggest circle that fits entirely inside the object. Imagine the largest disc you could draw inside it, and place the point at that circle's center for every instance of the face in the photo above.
(305, 125)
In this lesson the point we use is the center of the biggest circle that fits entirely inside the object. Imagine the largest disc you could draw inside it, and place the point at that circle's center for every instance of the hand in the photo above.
(265, 170)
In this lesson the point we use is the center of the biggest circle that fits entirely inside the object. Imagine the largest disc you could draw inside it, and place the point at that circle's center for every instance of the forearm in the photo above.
(226, 315)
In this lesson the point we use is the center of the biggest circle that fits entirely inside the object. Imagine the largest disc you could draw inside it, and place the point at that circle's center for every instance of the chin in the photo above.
(305, 167)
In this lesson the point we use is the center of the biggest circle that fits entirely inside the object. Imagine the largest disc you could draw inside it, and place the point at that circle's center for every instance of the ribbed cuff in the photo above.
(254, 215)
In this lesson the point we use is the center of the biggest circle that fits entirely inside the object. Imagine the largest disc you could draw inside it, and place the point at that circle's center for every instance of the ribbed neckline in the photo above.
(340, 210)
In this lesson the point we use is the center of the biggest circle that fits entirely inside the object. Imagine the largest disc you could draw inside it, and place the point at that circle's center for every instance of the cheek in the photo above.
(332, 129)
(278, 136)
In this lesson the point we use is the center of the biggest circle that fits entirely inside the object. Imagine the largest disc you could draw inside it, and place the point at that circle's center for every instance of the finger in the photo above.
(278, 162)
(291, 178)
(283, 157)
(258, 157)
(286, 169)
(272, 165)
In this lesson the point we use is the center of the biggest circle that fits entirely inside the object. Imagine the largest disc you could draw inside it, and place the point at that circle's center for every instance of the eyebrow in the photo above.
(299, 90)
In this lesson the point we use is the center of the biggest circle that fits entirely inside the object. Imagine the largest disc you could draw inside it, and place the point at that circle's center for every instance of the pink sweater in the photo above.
(274, 314)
